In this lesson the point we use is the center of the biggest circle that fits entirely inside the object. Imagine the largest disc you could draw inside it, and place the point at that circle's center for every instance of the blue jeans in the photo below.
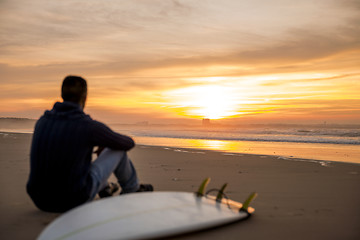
(117, 162)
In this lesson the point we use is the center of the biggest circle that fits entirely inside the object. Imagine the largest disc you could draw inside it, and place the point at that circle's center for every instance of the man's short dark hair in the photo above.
(74, 89)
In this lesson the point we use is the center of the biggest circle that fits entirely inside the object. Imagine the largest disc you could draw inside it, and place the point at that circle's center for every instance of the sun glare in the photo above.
(209, 101)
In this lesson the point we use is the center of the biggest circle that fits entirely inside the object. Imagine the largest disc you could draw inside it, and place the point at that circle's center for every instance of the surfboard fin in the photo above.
(220, 194)
(201, 191)
(247, 202)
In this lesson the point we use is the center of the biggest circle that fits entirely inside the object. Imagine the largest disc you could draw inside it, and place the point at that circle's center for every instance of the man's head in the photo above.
(74, 89)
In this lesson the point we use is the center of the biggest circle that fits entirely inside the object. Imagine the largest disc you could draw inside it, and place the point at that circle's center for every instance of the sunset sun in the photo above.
(204, 101)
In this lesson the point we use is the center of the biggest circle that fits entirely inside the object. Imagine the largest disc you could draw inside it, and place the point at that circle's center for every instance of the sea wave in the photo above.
(326, 136)
(262, 138)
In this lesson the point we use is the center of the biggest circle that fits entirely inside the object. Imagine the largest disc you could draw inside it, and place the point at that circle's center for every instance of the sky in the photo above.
(163, 61)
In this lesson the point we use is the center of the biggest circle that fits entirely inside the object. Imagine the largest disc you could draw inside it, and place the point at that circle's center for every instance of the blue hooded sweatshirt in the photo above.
(60, 157)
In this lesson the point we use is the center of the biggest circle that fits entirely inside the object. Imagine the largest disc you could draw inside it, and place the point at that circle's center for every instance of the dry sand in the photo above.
(297, 199)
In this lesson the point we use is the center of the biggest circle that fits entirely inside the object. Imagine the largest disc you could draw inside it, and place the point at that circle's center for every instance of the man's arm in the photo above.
(103, 136)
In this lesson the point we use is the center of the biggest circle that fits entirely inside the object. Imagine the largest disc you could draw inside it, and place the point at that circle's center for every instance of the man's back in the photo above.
(61, 156)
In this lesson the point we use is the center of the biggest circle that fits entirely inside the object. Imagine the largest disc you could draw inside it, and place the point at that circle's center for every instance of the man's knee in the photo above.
(112, 154)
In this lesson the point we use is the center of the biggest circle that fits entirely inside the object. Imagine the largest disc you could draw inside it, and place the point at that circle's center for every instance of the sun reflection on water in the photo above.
(204, 144)
(327, 152)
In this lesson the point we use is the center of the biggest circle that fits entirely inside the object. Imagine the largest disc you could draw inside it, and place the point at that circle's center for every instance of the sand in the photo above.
(297, 199)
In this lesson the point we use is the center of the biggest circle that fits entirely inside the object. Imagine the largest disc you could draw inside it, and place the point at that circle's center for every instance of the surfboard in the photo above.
(147, 215)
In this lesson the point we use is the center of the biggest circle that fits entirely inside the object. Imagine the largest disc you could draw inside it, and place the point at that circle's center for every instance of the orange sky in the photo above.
(176, 61)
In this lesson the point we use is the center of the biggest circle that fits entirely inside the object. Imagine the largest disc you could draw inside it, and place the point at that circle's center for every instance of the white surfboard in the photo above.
(144, 215)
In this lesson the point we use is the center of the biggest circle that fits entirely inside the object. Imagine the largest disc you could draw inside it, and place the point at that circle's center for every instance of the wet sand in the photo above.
(297, 199)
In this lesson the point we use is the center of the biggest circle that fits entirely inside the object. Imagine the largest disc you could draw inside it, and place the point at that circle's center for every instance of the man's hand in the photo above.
(99, 150)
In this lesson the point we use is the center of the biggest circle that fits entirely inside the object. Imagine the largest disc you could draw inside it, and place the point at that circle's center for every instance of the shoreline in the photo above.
(323, 163)
(292, 196)
(281, 150)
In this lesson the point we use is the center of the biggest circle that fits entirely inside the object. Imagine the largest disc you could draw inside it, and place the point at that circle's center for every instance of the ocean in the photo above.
(293, 142)
(262, 133)
(319, 143)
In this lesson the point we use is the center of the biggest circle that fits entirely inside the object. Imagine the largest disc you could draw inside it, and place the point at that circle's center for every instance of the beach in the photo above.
(297, 198)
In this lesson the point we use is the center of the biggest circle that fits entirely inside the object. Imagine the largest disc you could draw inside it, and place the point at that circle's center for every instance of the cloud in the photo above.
(139, 48)
(307, 46)
(87, 23)
(146, 34)
(341, 77)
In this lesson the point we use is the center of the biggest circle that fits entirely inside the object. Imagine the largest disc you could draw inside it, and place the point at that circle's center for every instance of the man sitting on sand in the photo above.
(62, 175)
